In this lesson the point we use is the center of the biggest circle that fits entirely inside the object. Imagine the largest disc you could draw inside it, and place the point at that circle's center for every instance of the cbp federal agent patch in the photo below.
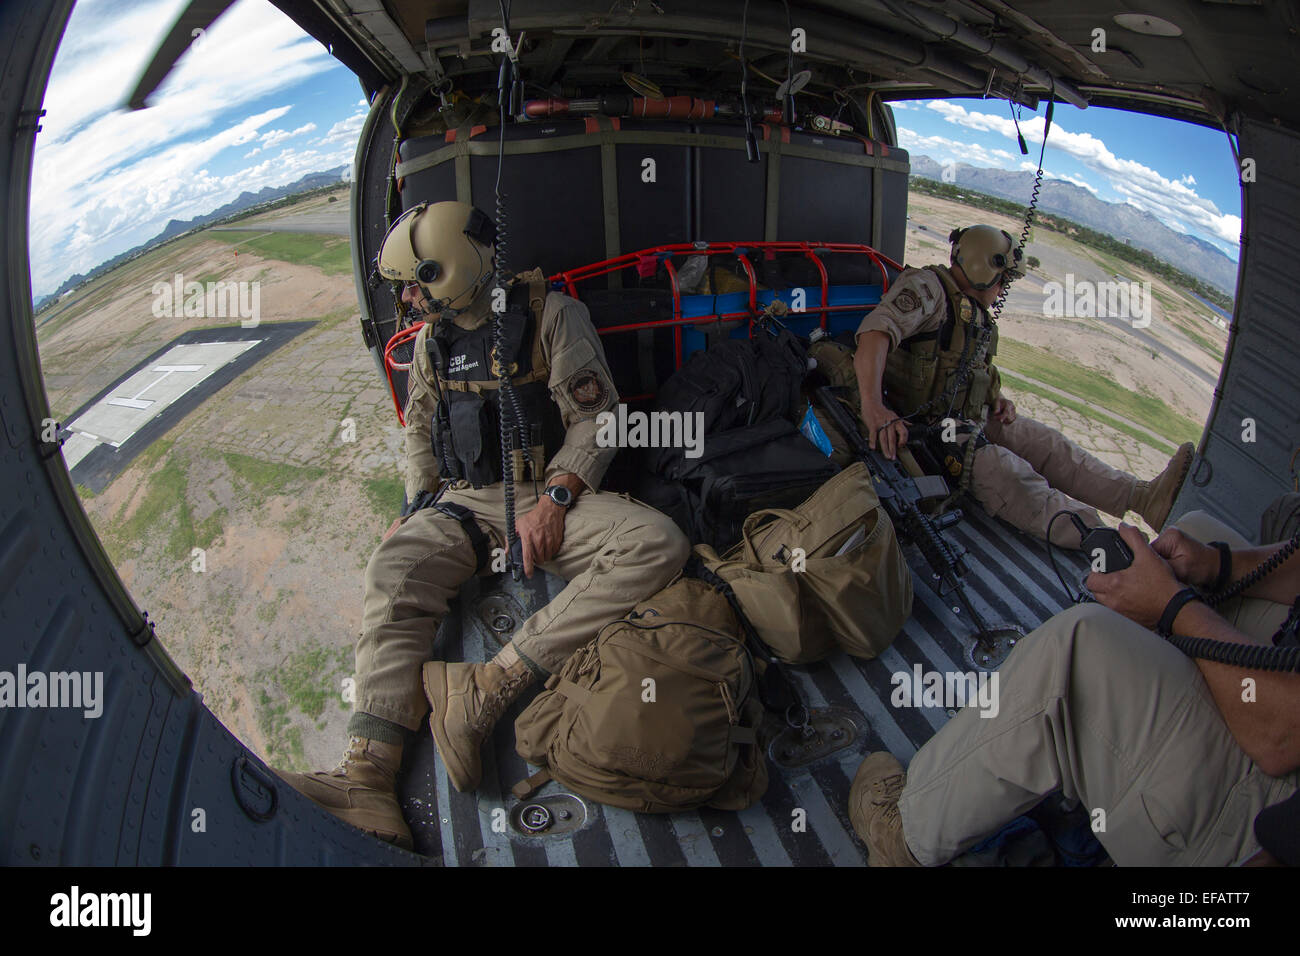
(906, 301)
(588, 391)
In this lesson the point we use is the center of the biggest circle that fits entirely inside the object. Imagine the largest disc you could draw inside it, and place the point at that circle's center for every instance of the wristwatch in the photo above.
(561, 495)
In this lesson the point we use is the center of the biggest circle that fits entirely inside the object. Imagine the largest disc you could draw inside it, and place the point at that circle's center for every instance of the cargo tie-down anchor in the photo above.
(550, 815)
(811, 735)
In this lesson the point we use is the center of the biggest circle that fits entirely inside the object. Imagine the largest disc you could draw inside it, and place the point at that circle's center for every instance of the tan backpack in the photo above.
(824, 576)
(657, 714)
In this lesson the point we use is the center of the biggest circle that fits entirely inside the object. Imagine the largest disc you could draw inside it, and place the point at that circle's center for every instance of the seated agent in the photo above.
(931, 341)
(1179, 753)
(612, 551)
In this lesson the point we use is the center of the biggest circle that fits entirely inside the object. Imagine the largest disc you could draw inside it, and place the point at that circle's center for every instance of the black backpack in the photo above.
(754, 456)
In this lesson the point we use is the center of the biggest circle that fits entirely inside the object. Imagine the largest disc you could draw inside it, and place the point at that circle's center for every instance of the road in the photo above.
(328, 222)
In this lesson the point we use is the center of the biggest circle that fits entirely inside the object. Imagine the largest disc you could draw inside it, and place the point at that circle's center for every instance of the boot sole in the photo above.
(374, 822)
(377, 824)
(458, 775)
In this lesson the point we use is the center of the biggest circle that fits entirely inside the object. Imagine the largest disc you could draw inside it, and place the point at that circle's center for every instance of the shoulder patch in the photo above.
(588, 391)
(906, 301)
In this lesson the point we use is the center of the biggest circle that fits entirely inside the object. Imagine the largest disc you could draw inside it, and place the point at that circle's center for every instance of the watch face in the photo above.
(560, 495)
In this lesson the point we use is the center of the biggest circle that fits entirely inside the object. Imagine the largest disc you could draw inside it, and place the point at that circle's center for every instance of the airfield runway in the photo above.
(326, 222)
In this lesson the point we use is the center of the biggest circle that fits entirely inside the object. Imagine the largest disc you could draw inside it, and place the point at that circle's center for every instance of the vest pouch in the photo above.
(475, 438)
(981, 379)
(910, 374)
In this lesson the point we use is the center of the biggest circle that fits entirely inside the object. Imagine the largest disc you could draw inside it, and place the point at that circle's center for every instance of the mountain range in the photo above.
(241, 203)
(1121, 220)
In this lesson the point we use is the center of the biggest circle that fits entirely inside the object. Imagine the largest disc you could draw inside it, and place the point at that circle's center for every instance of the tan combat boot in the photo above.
(1153, 499)
(873, 810)
(361, 790)
(467, 701)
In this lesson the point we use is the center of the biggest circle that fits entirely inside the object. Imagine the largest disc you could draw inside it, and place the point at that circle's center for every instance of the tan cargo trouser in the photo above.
(1029, 471)
(1116, 718)
(616, 552)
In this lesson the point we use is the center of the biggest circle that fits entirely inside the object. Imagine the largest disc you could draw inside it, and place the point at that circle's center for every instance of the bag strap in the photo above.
(775, 689)
(477, 539)
(753, 518)
(526, 788)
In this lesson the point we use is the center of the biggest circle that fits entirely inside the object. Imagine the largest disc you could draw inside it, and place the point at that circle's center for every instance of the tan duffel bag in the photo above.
(825, 575)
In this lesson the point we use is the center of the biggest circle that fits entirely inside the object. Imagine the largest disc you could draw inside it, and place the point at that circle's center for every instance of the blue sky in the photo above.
(255, 102)
(1182, 174)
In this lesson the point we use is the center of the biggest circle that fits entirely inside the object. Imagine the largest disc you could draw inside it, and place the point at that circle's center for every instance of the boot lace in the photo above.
(495, 703)
(356, 747)
(889, 789)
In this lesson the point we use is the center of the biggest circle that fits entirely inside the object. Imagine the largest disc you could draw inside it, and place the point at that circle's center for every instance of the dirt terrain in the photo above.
(286, 510)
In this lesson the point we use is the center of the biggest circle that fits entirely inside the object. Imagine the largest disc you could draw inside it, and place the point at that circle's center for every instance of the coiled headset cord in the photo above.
(513, 426)
(1251, 656)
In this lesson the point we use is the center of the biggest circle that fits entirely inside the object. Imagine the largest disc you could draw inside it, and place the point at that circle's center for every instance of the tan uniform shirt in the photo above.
(580, 383)
(915, 304)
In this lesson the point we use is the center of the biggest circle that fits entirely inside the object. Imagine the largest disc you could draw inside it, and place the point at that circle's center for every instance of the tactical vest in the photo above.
(924, 366)
(466, 432)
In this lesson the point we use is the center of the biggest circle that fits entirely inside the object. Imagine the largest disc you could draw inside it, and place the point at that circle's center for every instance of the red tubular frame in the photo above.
(665, 253)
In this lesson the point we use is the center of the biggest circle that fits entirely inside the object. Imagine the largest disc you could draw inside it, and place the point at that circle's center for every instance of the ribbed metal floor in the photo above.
(1010, 582)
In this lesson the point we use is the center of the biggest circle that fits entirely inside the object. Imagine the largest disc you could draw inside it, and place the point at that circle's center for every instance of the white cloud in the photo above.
(1173, 201)
(106, 179)
(1069, 179)
(945, 150)
(277, 136)
(345, 130)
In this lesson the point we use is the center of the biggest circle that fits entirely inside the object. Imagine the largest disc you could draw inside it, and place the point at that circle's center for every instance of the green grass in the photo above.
(165, 491)
(210, 528)
(385, 494)
(265, 477)
(1098, 389)
(269, 610)
(305, 682)
(1091, 414)
(331, 254)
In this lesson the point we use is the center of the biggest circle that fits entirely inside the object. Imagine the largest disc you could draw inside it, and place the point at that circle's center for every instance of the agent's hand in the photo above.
(875, 416)
(1194, 563)
(1004, 410)
(392, 528)
(1141, 591)
(541, 532)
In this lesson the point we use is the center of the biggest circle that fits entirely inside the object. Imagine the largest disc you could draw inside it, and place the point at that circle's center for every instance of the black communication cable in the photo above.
(1263, 657)
(787, 101)
(751, 144)
(511, 422)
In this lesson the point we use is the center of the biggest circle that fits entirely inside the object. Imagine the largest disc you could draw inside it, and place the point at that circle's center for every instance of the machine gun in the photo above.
(901, 495)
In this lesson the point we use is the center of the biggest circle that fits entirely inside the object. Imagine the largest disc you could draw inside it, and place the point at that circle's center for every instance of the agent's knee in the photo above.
(1205, 528)
(660, 543)
(1052, 648)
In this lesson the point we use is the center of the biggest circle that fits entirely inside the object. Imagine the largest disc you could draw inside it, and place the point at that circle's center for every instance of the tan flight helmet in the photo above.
(985, 254)
(446, 247)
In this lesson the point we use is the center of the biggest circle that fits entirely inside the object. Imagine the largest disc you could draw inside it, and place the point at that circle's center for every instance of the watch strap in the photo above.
(572, 496)
(1225, 566)
(1165, 626)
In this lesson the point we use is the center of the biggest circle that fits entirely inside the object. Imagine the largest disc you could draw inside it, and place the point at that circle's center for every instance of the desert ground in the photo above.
(264, 479)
